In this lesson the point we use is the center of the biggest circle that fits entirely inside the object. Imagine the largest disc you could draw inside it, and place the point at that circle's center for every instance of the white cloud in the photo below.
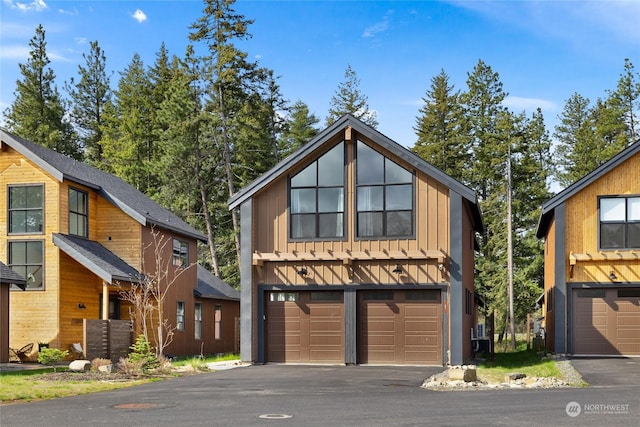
(80, 40)
(36, 5)
(139, 16)
(70, 12)
(518, 103)
(379, 27)
(14, 52)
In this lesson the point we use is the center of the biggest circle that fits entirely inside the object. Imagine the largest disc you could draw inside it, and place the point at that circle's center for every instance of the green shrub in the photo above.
(142, 353)
(51, 356)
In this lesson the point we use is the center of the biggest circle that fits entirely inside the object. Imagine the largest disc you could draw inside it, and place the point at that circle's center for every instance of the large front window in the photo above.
(317, 198)
(78, 213)
(620, 222)
(384, 196)
(26, 258)
(26, 209)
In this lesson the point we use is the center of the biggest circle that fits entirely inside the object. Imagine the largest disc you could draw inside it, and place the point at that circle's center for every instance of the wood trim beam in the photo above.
(347, 257)
(574, 258)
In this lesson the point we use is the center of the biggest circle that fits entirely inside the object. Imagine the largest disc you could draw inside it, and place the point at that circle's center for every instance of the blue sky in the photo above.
(543, 51)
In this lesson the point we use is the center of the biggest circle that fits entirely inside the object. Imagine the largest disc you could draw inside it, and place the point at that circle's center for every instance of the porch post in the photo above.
(105, 301)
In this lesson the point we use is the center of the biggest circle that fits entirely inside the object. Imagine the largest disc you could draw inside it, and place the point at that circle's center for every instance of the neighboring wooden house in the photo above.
(8, 277)
(355, 250)
(591, 233)
(76, 233)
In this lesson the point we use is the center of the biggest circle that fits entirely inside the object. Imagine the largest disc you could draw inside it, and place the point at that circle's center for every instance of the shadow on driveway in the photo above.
(608, 371)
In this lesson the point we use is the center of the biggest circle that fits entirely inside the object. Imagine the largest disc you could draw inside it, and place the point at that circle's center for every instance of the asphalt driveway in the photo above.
(337, 396)
(608, 371)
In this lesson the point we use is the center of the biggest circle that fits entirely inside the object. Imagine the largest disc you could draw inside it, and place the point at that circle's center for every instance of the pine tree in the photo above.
(38, 112)
(89, 97)
(349, 100)
(299, 128)
(128, 132)
(441, 128)
(627, 98)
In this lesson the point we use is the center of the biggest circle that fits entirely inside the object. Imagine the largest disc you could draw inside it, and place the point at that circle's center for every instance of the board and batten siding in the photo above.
(582, 224)
(270, 222)
(548, 311)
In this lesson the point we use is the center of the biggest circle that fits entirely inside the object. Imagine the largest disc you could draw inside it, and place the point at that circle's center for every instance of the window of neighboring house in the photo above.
(26, 209)
(468, 301)
(180, 316)
(549, 299)
(27, 259)
(217, 322)
(384, 195)
(78, 213)
(180, 253)
(198, 319)
(619, 222)
(316, 198)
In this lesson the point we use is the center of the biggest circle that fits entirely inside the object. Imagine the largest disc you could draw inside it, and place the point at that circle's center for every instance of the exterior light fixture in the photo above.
(81, 306)
(440, 266)
(612, 276)
(303, 271)
(397, 270)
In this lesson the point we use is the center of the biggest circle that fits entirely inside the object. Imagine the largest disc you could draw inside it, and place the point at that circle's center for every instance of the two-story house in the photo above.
(591, 233)
(80, 236)
(354, 250)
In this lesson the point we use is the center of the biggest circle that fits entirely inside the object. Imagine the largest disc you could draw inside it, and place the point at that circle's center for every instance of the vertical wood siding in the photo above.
(582, 224)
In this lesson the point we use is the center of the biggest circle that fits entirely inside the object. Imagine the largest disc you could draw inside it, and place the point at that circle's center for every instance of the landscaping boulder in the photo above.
(80, 366)
(466, 373)
(105, 368)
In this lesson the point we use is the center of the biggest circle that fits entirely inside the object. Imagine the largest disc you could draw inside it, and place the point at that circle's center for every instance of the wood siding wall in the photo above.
(270, 215)
(549, 285)
(30, 325)
(582, 224)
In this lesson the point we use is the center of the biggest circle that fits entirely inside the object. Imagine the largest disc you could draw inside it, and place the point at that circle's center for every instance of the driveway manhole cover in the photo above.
(275, 416)
(136, 406)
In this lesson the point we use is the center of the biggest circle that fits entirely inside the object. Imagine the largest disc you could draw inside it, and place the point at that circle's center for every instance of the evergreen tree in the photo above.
(627, 98)
(441, 128)
(349, 100)
(89, 97)
(128, 131)
(299, 128)
(587, 136)
(38, 112)
(230, 79)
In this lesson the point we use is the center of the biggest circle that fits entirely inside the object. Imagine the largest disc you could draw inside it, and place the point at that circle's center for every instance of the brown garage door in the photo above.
(305, 327)
(400, 327)
(606, 321)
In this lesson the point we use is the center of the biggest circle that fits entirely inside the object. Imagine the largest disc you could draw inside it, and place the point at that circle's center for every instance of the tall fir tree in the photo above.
(627, 98)
(128, 130)
(38, 112)
(89, 97)
(299, 128)
(441, 128)
(348, 99)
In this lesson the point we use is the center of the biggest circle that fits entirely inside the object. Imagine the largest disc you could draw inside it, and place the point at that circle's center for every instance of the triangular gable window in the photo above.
(317, 198)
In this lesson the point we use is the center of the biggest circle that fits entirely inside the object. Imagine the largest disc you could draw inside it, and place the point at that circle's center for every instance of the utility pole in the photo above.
(512, 322)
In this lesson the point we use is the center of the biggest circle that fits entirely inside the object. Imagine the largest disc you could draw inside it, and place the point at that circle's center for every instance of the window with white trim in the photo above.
(180, 253)
(198, 321)
(180, 316)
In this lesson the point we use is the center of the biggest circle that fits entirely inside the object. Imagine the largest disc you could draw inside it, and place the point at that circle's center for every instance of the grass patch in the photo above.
(521, 360)
(39, 384)
(190, 361)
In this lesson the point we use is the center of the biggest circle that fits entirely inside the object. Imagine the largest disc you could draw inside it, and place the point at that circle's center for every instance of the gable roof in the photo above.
(97, 259)
(549, 206)
(119, 193)
(386, 143)
(10, 277)
(211, 286)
